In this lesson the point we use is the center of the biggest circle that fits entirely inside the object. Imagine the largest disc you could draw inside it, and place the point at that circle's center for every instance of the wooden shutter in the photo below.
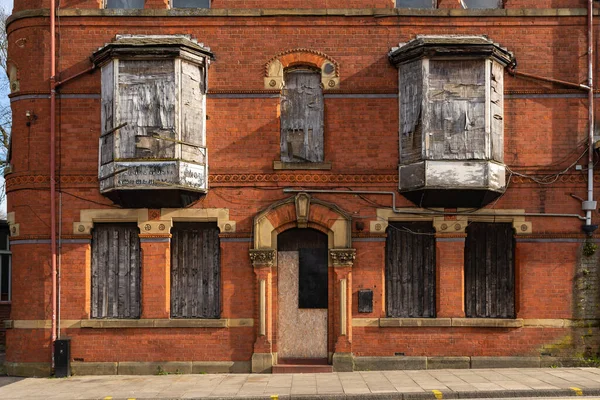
(302, 117)
(115, 271)
(195, 271)
(489, 271)
(410, 270)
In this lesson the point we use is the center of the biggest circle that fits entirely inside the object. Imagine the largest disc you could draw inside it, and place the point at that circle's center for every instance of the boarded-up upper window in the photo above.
(124, 3)
(489, 271)
(195, 271)
(416, 3)
(115, 271)
(191, 3)
(302, 117)
(482, 3)
(410, 270)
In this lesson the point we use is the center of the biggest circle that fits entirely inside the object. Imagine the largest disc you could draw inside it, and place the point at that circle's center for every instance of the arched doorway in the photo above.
(302, 294)
(287, 226)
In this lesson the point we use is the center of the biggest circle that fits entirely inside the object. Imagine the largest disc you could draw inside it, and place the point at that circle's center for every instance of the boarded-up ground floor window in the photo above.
(410, 270)
(195, 271)
(115, 271)
(489, 271)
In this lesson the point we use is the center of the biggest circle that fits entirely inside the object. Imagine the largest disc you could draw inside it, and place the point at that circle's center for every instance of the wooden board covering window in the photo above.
(489, 271)
(115, 271)
(302, 117)
(410, 270)
(195, 271)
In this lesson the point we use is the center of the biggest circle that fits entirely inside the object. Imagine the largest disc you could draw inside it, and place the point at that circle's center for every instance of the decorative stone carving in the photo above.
(302, 209)
(342, 257)
(262, 258)
(329, 68)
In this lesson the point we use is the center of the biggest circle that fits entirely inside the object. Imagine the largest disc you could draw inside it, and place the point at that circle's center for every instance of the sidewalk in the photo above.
(432, 384)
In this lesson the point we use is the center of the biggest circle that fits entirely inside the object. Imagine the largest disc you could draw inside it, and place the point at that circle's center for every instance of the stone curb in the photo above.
(489, 394)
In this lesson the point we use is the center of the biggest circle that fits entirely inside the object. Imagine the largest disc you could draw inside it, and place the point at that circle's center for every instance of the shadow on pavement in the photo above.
(7, 380)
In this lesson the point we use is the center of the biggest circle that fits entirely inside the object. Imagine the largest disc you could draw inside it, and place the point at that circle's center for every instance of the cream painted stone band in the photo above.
(471, 322)
(457, 225)
(132, 323)
(162, 226)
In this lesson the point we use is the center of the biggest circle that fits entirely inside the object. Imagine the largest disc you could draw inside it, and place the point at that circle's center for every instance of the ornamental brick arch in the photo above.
(328, 67)
(302, 211)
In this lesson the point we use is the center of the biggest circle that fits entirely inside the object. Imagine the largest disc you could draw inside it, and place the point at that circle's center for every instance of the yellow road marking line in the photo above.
(108, 398)
(577, 391)
(438, 395)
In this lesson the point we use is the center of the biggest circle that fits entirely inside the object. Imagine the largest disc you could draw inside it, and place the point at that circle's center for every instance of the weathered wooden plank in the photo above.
(411, 98)
(195, 275)
(410, 270)
(497, 111)
(115, 271)
(193, 104)
(147, 100)
(302, 117)
(489, 271)
(456, 106)
(107, 113)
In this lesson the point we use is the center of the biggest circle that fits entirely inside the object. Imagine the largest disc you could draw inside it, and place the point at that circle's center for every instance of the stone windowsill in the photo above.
(131, 323)
(164, 323)
(414, 322)
(279, 165)
(444, 322)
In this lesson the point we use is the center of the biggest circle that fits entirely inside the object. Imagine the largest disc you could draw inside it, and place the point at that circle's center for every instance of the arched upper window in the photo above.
(302, 116)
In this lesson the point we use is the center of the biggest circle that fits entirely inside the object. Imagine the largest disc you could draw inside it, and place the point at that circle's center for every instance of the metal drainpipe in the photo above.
(53, 166)
(590, 204)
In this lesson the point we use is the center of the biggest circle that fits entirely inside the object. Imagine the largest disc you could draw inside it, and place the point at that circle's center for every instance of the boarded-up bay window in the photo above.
(115, 271)
(195, 271)
(489, 271)
(410, 270)
(302, 117)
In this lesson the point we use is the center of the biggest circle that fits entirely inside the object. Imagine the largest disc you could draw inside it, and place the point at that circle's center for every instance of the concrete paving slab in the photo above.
(349, 385)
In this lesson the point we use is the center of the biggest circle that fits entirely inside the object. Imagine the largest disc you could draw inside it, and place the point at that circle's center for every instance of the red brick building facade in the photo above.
(479, 267)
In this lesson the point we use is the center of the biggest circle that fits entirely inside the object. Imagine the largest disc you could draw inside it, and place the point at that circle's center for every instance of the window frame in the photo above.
(9, 253)
(218, 310)
(299, 70)
(426, 269)
(134, 227)
(473, 271)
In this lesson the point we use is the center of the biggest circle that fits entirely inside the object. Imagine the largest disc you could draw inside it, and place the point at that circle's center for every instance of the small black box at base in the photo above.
(62, 358)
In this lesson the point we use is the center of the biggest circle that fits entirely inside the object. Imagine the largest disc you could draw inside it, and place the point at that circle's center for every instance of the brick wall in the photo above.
(544, 127)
